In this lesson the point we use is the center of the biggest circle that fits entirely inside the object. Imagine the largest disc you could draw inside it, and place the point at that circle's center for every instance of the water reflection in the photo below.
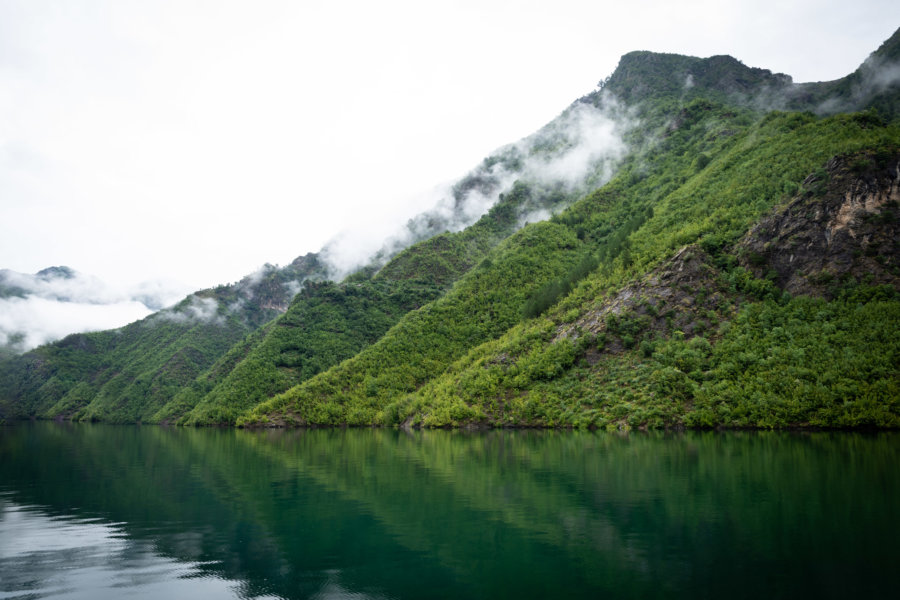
(43, 556)
(392, 514)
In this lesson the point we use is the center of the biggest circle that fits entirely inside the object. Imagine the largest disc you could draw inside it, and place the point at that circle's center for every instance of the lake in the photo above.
(96, 511)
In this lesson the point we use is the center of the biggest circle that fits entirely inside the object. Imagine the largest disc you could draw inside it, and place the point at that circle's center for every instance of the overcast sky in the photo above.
(197, 140)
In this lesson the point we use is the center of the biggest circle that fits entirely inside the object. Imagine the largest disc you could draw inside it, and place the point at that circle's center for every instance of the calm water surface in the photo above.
(90, 511)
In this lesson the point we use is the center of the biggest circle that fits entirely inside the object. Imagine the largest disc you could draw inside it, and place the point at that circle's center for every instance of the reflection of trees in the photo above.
(476, 514)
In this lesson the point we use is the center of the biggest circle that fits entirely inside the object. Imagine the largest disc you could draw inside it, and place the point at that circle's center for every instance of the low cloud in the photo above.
(876, 76)
(64, 284)
(26, 323)
(193, 310)
(585, 145)
(293, 288)
(55, 302)
(535, 216)
(248, 282)
(158, 294)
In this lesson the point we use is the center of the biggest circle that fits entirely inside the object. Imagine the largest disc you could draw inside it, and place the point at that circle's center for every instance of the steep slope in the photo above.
(325, 324)
(700, 341)
(845, 225)
(330, 322)
(479, 307)
(536, 374)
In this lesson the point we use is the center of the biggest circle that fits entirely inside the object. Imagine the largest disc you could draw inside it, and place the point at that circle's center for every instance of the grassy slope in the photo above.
(327, 323)
(122, 375)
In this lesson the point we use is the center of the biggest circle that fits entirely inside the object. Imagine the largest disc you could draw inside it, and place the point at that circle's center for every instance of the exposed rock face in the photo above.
(681, 294)
(845, 223)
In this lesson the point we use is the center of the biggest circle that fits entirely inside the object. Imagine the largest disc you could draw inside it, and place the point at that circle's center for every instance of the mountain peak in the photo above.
(643, 75)
(61, 272)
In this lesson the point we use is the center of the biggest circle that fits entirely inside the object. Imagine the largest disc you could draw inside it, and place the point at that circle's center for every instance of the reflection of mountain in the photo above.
(503, 514)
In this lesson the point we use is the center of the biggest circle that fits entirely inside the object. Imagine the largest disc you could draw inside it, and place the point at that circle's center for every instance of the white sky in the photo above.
(197, 140)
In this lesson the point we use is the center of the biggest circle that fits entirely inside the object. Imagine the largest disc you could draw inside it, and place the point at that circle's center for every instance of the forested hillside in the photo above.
(721, 250)
(675, 319)
(126, 375)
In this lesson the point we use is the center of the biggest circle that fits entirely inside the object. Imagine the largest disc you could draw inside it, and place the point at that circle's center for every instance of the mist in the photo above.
(58, 301)
(863, 87)
(578, 151)
(874, 77)
(28, 323)
(195, 309)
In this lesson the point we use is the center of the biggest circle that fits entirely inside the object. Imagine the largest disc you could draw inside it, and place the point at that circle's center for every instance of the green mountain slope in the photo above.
(330, 322)
(698, 340)
(638, 303)
(326, 323)
(533, 375)
(704, 174)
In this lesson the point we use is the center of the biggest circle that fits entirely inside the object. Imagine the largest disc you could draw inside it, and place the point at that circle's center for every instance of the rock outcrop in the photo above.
(844, 223)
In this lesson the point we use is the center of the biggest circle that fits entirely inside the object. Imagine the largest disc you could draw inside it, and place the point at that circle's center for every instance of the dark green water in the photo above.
(91, 511)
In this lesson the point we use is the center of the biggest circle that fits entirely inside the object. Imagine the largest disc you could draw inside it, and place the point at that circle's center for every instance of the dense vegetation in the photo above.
(326, 323)
(631, 373)
(479, 307)
(329, 322)
(740, 269)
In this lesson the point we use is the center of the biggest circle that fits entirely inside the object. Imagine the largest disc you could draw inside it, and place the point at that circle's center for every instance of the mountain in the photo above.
(696, 243)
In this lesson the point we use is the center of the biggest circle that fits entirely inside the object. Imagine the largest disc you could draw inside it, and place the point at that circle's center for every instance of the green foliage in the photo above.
(547, 296)
(657, 383)
(326, 323)
(133, 374)
(808, 362)
(125, 375)
(481, 306)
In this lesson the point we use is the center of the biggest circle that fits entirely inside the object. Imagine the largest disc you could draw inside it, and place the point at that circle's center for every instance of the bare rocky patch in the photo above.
(684, 295)
(844, 224)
